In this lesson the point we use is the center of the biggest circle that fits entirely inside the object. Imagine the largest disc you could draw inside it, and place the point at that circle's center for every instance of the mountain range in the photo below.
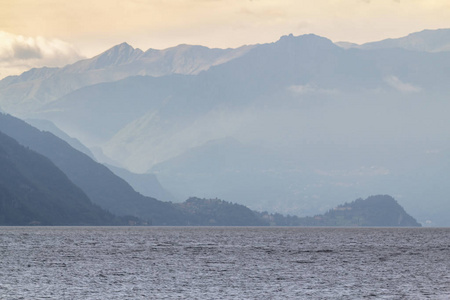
(299, 125)
(39, 86)
(33, 191)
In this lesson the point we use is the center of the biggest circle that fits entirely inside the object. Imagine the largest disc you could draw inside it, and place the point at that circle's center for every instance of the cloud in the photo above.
(311, 89)
(19, 53)
(401, 86)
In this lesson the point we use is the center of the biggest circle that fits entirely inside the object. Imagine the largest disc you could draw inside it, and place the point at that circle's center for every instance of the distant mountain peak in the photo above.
(307, 36)
(306, 40)
(288, 36)
(124, 45)
(117, 55)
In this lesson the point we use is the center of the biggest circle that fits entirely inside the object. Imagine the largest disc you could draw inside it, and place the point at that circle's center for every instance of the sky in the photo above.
(54, 32)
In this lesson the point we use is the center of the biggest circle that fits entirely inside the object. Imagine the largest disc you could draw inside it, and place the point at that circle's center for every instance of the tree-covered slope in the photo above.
(381, 210)
(216, 212)
(33, 191)
(377, 211)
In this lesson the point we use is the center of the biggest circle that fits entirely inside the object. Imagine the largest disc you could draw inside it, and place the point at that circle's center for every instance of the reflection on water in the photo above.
(223, 263)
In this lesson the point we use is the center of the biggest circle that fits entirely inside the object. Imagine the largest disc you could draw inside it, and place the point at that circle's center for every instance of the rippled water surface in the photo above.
(223, 263)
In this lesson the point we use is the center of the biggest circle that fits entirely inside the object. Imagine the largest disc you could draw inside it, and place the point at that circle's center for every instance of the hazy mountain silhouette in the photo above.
(45, 125)
(379, 210)
(426, 40)
(216, 212)
(23, 93)
(102, 186)
(146, 184)
(33, 191)
(132, 114)
(338, 123)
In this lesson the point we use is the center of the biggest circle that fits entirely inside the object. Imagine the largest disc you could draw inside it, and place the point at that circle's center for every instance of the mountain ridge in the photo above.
(33, 191)
(437, 40)
(374, 211)
(44, 85)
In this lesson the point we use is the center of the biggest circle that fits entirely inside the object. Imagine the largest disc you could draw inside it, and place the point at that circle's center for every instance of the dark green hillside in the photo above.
(33, 191)
(381, 210)
(215, 212)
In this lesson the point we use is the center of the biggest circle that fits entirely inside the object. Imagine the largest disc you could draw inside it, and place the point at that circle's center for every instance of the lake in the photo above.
(224, 263)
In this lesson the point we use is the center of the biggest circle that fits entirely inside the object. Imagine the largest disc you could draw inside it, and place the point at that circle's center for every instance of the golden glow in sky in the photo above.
(90, 27)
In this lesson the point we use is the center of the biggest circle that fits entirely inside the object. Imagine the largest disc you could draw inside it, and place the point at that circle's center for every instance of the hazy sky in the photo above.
(55, 32)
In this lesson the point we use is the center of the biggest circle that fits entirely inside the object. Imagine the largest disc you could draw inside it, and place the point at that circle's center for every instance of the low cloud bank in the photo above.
(20, 53)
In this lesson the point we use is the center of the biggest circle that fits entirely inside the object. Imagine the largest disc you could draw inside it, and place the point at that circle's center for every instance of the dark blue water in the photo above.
(224, 263)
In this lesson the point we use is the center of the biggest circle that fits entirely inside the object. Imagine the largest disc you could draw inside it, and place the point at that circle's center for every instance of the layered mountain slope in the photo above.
(33, 191)
(146, 184)
(140, 121)
(45, 125)
(145, 111)
(23, 94)
(98, 182)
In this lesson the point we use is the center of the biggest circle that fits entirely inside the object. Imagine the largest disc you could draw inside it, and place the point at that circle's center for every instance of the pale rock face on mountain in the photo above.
(116, 56)
(151, 139)
(185, 59)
